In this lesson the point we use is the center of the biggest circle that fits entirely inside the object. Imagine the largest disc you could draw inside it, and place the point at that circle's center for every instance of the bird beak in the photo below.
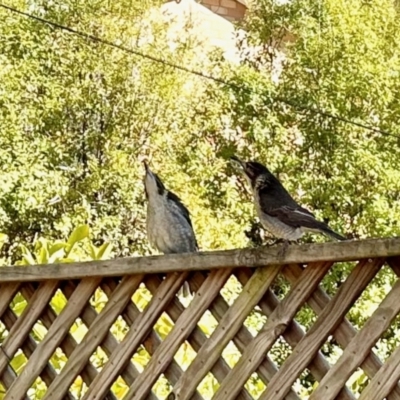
(146, 167)
(239, 162)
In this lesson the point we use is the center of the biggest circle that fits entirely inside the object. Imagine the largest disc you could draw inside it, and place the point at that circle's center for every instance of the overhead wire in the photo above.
(201, 74)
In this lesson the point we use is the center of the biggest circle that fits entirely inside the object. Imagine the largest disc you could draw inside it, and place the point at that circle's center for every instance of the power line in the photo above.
(195, 72)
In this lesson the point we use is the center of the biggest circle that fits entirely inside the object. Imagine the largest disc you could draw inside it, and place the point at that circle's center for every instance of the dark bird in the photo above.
(169, 228)
(279, 213)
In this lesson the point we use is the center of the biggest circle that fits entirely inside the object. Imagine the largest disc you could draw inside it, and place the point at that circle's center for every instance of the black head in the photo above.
(252, 169)
(152, 183)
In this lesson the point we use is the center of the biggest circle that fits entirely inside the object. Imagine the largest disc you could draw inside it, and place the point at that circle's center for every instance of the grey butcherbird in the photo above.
(169, 228)
(279, 213)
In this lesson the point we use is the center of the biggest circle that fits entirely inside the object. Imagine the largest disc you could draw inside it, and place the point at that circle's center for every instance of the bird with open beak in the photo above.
(169, 228)
(278, 212)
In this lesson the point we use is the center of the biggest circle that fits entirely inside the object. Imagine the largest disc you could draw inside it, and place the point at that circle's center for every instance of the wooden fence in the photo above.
(302, 269)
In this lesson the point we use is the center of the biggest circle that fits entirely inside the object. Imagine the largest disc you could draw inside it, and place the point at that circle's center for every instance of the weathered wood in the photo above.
(7, 293)
(9, 376)
(54, 336)
(47, 318)
(225, 331)
(137, 333)
(28, 347)
(130, 314)
(293, 335)
(359, 347)
(327, 322)
(384, 381)
(230, 326)
(263, 256)
(97, 332)
(243, 337)
(184, 325)
(25, 322)
(345, 332)
(274, 327)
(196, 339)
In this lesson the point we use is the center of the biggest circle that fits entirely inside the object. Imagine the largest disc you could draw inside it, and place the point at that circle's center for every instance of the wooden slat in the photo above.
(7, 293)
(319, 366)
(54, 336)
(28, 347)
(225, 331)
(384, 381)
(327, 322)
(68, 344)
(259, 257)
(274, 327)
(97, 332)
(360, 346)
(345, 332)
(243, 338)
(197, 338)
(8, 378)
(181, 330)
(137, 332)
(25, 322)
(130, 314)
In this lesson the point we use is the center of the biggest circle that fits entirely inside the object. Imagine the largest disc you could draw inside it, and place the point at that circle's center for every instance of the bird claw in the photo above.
(283, 249)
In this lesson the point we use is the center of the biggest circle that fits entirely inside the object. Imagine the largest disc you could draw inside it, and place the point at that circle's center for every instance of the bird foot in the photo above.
(283, 249)
(274, 242)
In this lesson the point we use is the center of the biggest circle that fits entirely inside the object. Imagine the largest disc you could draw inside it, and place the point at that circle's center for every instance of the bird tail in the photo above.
(329, 232)
(185, 290)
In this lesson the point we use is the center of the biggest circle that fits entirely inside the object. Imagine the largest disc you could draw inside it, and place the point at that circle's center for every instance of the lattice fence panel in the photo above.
(133, 338)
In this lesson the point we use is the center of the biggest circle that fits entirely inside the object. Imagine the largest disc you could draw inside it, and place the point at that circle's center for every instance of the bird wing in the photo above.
(295, 216)
(184, 211)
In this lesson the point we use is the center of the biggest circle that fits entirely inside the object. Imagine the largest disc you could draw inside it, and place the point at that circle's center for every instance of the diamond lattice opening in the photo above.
(336, 276)
(371, 297)
(3, 332)
(120, 388)
(305, 384)
(231, 354)
(280, 351)
(163, 326)
(119, 328)
(389, 340)
(58, 360)
(38, 389)
(99, 358)
(207, 323)
(141, 358)
(58, 302)
(78, 388)
(255, 386)
(162, 388)
(280, 286)
(18, 304)
(231, 290)
(18, 362)
(142, 297)
(185, 355)
(255, 321)
(305, 317)
(39, 331)
(99, 300)
(78, 330)
(208, 386)
(358, 381)
(331, 350)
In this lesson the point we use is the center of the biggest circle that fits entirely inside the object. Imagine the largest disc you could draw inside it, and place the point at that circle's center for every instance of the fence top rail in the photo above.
(250, 257)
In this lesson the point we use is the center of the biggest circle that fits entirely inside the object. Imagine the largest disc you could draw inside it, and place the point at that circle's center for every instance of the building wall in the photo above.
(231, 10)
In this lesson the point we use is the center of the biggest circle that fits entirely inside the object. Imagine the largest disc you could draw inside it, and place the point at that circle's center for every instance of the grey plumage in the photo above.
(169, 228)
(279, 213)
